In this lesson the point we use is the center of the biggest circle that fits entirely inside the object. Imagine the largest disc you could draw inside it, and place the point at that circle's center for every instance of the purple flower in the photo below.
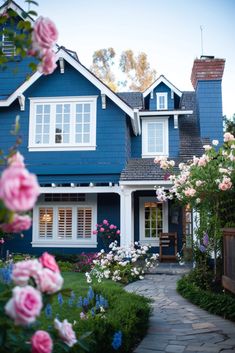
(202, 248)
(205, 240)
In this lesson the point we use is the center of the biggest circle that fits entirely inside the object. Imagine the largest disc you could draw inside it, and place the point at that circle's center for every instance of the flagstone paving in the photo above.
(177, 326)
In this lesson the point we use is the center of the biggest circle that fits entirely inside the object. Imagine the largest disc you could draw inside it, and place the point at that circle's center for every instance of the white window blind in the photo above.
(65, 223)
(84, 222)
(45, 222)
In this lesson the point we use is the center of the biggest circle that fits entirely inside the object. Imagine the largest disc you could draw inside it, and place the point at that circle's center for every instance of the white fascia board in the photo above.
(165, 112)
(12, 5)
(80, 189)
(103, 88)
(167, 83)
(136, 122)
(145, 182)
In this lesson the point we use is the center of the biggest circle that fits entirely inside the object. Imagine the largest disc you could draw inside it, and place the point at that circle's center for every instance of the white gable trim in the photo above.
(15, 7)
(167, 83)
(87, 74)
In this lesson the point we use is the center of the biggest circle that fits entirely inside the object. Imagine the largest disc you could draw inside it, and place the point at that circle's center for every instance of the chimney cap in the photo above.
(207, 57)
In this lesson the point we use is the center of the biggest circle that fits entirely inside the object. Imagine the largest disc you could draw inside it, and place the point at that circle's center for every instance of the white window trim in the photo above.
(91, 202)
(143, 240)
(91, 146)
(162, 94)
(165, 151)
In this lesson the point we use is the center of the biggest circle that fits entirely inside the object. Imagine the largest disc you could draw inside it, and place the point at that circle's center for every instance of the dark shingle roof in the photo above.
(134, 99)
(190, 141)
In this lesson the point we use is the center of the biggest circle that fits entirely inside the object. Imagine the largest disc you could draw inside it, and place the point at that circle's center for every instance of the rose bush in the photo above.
(107, 232)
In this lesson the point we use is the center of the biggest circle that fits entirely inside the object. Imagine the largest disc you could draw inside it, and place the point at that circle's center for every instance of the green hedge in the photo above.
(215, 303)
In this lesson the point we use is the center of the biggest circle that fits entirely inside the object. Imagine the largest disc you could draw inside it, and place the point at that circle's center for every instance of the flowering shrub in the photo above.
(107, 232)
(36, 40)
(205, 184)
(85, 262)
(122, 264)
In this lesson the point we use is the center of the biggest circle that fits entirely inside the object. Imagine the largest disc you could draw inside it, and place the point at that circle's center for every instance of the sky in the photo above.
(167, 31)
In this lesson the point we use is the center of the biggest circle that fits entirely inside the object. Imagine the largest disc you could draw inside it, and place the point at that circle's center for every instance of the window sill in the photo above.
(153, 155)
(61, 148)
(67, 244)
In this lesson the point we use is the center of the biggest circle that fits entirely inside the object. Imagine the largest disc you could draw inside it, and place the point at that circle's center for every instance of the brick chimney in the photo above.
(206, 78)
(207, 68)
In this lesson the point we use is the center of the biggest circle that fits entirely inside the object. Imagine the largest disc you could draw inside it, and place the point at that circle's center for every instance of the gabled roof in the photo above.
(14, 6)
(161, 79)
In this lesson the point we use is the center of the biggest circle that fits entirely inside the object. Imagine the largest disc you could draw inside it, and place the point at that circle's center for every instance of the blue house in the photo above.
(93, 150)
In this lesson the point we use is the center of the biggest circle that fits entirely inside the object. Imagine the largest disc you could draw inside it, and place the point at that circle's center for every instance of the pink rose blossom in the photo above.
(49, 281)
(228, 137)
(25, 305)
(18, 224)
(105, 222)
(101, 229)
(118, 231)
(23, 270)
(226, 184)
(45, 33)
(111, 226)
(41, 342)
(48, 62)
(16, 160)
(66, 332)
(190, 192)
(94, 232)
(2, 241)
(19, 189)
(48, 261)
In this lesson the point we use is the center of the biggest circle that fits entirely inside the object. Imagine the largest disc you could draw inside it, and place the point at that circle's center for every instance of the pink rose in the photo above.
(118, 231)
(190, 192)
(48, 63)
(111, 226)
(18, 224)
(48, 261)
(2, 241)
(66, 332)
(19, 189)
(41, 342)
(228, 137)
(45, 33)
(101, 230)
(105, 222)
(25, 305)
(49, 281)
(23, 270)
(16, 160)
(94, 232)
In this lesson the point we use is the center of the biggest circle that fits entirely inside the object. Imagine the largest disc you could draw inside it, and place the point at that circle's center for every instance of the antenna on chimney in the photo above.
(201, 28)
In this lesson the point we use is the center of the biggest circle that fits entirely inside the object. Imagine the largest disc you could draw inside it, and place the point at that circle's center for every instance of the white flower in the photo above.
(207, 147)
(215, 142)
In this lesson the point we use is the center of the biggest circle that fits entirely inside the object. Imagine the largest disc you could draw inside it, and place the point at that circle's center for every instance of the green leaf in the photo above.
(32, 13)
(32, 2)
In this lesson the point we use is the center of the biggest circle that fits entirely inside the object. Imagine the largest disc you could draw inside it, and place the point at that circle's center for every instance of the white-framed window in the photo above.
(153, 216)
(65, 224)
(7, 46)
(62, 123)
(155, 139)
(162, 101)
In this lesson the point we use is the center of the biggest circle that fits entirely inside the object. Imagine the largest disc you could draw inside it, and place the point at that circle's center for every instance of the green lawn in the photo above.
(126, 312)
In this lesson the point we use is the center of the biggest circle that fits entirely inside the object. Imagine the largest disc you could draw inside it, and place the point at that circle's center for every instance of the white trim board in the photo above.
(161, 79)
(80, 189)
(88, 75)
(15, 7)
(165, 112)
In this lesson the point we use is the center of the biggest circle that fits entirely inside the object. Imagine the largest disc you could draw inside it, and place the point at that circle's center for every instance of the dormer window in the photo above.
(8, 48)
(162, 101)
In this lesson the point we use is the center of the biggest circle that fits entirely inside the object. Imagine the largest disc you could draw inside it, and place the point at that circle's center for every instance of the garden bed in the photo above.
(222, 304)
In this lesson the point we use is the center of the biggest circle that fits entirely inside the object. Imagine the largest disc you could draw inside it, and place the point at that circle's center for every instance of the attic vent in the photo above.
(64, 197)
(8, 48)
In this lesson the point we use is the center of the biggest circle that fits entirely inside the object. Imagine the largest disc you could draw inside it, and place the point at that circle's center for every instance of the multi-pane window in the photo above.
(62, 124)
(155, 137)
(162, 103)
(60, 223)
(153, 221)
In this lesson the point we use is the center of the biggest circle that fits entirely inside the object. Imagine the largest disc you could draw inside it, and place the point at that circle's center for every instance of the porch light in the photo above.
(91, 185)
(72, 185)
(110, 184)
(53, 185)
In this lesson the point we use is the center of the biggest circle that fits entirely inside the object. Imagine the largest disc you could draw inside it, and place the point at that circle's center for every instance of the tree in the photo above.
(229, 124)
(136, 68)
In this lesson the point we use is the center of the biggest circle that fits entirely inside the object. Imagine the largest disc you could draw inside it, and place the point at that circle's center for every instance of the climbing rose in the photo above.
(25, 305)
(16, 160)
(23, 270)
(66, 332)
(49, 281)
(44, 34)
(18, 224)
(48, 261)
(228, 137)
(47, 65)
(41, 342)
(19, 189)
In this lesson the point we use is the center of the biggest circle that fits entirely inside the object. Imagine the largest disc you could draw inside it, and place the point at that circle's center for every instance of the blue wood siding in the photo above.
(161, 88)
(108, 207)
(209, 104)
(110, 154)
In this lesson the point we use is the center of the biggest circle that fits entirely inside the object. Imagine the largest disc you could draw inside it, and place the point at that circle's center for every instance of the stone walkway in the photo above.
(177, 326)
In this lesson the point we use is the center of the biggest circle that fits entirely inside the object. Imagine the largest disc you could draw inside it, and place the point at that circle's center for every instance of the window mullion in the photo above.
(74, 222)
(72, 123)
(55, 223)
(52, 123)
